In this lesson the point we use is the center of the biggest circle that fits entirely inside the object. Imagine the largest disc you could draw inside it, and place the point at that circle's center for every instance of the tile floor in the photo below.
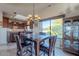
(10, 50)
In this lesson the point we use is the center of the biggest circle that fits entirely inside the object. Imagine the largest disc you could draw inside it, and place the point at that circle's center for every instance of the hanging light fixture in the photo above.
(33, 19)
(33, 16)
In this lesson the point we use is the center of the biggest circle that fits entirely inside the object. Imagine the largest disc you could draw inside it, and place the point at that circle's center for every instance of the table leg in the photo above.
(37, 47)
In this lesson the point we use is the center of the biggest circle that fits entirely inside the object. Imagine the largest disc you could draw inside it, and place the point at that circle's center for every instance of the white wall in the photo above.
(3, 36)
(3, 31)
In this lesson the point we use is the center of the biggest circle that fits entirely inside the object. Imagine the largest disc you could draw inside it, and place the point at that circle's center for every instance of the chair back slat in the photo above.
(52, 41)
(18, 42)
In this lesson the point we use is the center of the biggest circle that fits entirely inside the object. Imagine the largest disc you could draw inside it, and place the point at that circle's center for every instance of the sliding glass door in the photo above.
(55, 30)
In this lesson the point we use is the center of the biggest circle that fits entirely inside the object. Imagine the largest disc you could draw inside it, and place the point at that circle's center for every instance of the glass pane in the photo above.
(75, 30)
(67, 29)
(46, 26)
(67, 43)
(76, 45)
(56, 27)
(56, 30)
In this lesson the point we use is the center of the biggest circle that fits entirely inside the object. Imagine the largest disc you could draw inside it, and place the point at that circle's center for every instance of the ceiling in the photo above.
(42, 9)
(23, 8)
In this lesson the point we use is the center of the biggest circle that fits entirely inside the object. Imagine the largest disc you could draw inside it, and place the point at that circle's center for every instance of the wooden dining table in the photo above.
(38, 39)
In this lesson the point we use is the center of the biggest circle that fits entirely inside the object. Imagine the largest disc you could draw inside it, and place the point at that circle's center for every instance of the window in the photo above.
(46, 26)
(56, 27)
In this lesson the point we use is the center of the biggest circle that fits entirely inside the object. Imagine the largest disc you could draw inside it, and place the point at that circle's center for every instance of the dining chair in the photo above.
(48, 48)
(27, 40)
(22, 49)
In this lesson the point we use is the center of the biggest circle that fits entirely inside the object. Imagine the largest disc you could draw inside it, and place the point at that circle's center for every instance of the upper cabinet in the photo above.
(7, 23)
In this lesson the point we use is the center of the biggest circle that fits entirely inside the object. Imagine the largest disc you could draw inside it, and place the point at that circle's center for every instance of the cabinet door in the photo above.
(67, 31)
(76, 35)
(75, 30)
